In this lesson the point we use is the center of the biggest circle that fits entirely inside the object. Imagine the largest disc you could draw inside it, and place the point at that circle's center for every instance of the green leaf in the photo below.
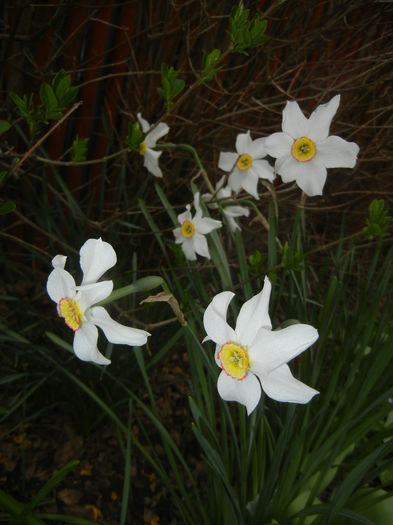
(378, 220)
(171, 86)
(79, 149)
(246, 33)
(4, 126)
(209, 62)
(7, 207)
(49, 100)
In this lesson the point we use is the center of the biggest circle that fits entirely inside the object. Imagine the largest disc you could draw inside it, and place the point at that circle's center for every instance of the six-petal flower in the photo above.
(304, 149)
(76, 303)
(191, 233)
(252, 355)
(245, 166)
(146, 148)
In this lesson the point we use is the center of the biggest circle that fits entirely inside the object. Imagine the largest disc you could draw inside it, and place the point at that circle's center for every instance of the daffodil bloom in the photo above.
(230, 211)
(245, 166)
(191, 233)
(252, 356)
(146, 148)
(304, 149)
(75, 304)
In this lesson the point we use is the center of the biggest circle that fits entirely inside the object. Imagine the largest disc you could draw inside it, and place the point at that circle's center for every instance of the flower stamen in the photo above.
(244, 162)
(187, 229)
(70, 311)
(303, 149)
(234, 360)
(142, 148)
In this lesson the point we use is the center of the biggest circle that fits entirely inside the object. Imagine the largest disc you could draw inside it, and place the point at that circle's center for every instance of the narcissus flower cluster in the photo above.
(75, 304)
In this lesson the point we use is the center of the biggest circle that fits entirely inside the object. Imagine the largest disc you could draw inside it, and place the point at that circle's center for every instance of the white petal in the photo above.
(321, 118)
(282, 386)
(185, 216)
(220, 183)
(85, 345)
(198, 209)
(293, 121)
(247, 392)
(207, 225)
(90, 294)
(263, 169)
(278, 144)
(253, 315)
(178, 236)
(144, 124)
(235, 179)
(155, 134)
(335, 152)
(150, 162)
(250, 182)
(227, 160)
(115, 332)
(200, 245)
(236, 211)
(214, 319)
(257, 149)
(233, 225)
(60, 284)
(272, 349)
(96, 257)
(309, 176)
(189, 249)
(243, 143)
(59, 261)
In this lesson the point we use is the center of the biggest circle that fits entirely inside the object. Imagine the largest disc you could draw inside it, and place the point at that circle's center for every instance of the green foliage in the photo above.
(4, 126)
(171, 86)
(246, 33)
(7, 206)
(378, 220)
(257, 263)
(210, 62)
(79, 149)
(135, 136)
(292, 260)
(25, 108)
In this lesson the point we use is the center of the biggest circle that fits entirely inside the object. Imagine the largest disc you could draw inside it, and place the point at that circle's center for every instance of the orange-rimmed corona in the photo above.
(187, 229)
(70, 311)
(234, 360)
(142, 148)
(244, 162)
(303, 149)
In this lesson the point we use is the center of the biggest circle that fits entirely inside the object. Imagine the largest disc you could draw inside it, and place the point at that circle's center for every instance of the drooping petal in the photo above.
(293, 121)
(115, 332)
(200, 245)
(282, 386)
(235, 180)
(250, 182)
(272, 349)
(150, 162)
(227, 160)
(189, 249)
(263, 169)
(321, 118)
(197, 206)
(90, 294)
(155, 134)
(144, 124)
(214, 319)
(207, 225)
(253, 315)
(60, 284)
(59, 261)
(335, 152)
(96, 257)
(247, 392)
(236, 211)
(243, 143)
(257, 149)
(278, 144)
(85, 345)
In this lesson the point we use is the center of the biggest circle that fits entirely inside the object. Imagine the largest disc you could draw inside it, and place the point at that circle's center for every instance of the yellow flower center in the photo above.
(303, 149)
(70, 311)
(142, 148)
(244, 162)
(234, 360)
(187, 229)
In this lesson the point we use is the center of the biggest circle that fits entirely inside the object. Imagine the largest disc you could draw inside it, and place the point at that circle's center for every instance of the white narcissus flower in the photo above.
(231, 211)
(245, 166)
(146, 148)
(75, 303)
(191, 233)
(304, 148)
(252, 355)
